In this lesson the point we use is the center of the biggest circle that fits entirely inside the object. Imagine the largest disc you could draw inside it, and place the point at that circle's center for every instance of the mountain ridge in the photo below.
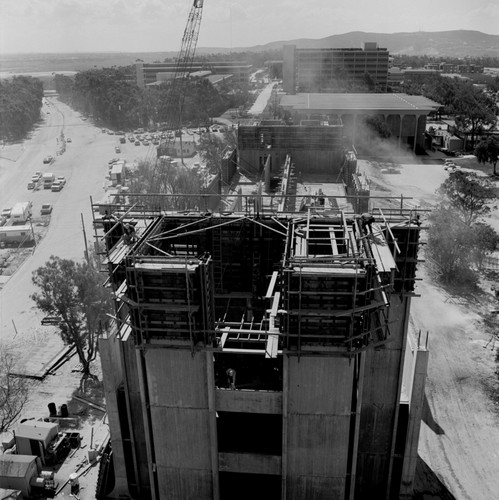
(452, 43)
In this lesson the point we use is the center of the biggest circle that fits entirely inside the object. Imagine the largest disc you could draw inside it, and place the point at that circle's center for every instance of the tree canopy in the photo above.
(13, 390)
(73, 291)
(21, 99)
(487, 151)
(468, 195)
(457, 240)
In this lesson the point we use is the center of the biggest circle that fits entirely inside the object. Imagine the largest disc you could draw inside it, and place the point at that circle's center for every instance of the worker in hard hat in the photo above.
(231, 378)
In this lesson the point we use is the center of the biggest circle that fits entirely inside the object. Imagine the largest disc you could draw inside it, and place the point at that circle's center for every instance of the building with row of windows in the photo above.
(148, 73)
(333, 69)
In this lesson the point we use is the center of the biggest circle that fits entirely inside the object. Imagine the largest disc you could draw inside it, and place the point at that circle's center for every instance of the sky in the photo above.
(41, 26)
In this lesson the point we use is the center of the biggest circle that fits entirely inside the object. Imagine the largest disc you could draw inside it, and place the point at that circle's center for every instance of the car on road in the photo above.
(46, 209)
(31, 185)
(36, 176)
(117, 149)
(56, 186)
(146, 142)
(62, 180)
(123, 140)
(48, 159)
(68, 139)
(6, 212)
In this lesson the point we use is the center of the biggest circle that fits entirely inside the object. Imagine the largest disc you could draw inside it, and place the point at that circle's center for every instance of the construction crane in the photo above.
(176, 94)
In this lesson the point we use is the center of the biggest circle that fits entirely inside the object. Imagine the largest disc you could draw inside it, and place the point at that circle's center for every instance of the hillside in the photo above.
(458, 43)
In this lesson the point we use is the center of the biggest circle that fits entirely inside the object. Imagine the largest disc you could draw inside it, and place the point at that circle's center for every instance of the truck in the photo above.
(21, 212)
(48, 178)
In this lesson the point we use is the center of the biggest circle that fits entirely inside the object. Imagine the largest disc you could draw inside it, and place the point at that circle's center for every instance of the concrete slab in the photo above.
(39, 357)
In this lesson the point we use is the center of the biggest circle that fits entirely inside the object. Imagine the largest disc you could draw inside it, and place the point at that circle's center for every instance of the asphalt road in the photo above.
(84, 164)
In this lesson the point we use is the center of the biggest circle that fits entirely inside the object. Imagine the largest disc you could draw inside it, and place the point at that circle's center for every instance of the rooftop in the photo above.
(358, 102)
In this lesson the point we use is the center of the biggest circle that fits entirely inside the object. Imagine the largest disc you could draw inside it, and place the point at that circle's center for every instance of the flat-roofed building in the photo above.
(326, 69)
(151, 72)
(405, 115)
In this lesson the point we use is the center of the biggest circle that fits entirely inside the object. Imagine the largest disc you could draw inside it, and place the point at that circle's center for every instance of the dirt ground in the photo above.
(459, 441)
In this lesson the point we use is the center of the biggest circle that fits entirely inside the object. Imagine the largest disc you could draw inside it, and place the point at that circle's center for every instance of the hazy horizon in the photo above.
(131, 26)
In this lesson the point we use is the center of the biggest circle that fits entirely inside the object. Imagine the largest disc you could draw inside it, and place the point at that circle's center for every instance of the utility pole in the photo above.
(85, 238)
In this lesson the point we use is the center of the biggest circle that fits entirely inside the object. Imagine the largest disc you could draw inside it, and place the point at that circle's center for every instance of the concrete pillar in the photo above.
(415, 133)
(414, 424)
(400, 128)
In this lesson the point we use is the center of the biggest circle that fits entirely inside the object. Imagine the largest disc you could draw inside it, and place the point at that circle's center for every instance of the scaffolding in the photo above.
(263, 282)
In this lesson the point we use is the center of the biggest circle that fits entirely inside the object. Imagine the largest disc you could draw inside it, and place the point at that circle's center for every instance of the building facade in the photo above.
(263, 354)
(404, 115)
(333, 70)
(147, 73)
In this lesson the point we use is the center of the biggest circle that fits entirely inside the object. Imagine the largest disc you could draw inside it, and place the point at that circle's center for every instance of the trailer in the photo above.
(21, 212)
(12, 235)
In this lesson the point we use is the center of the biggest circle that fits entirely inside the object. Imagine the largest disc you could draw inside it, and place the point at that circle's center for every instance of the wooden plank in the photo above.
(271, 346)
(272, 283)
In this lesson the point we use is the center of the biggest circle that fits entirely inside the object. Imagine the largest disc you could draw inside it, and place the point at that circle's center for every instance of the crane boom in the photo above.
(176, 95)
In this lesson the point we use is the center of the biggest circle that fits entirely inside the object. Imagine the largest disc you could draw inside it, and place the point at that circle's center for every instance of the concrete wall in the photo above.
(112, 378)
(318, 426)
(249, 401)
(180, 420)
(380, 401)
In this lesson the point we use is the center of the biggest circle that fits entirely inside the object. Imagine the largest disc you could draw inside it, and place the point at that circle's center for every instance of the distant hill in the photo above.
(457, 43)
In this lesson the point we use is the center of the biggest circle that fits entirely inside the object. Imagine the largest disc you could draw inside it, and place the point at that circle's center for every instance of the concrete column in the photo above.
(284, 461)
(415, 133)
(210, 387)
(414, 424)
(354, 128)
(400, 127)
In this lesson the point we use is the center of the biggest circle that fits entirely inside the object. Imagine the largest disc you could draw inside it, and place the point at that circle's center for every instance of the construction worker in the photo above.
(231, 378)
(366, 220)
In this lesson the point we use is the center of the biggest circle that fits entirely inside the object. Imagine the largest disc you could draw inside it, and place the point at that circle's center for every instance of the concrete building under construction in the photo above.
(263, 350)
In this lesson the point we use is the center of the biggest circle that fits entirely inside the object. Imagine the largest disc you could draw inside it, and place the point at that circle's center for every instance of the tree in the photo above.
(211, 149)
(13, 391)
(73, 291)
(485, 240)
(468, 194)
(162, 177)
(474, 110)
(450, 246)
(487, 151)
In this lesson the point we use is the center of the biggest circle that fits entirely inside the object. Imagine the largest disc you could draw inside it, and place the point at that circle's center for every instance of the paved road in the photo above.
(262, 100)
(84, 164)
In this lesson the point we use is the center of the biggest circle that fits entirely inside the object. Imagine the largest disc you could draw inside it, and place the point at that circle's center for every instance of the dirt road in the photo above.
(460, 435)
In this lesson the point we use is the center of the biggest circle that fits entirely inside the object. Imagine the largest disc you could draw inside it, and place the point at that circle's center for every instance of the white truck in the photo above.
(48, 178)
(21, 212)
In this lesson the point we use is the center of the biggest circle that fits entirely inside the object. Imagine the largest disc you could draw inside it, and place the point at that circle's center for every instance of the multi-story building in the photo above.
(263, 349)
(152, 72)
(332, 69)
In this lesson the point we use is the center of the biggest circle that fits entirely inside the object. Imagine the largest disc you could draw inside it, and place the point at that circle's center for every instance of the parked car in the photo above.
(36, 176)
(48, 159)
(117, 149)
(6, 212)
(145, 143)
(56, 186)
(137, 143)
(31, 185)
(62, 180)
(68, 139)
(46, 209)
(122, 140)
